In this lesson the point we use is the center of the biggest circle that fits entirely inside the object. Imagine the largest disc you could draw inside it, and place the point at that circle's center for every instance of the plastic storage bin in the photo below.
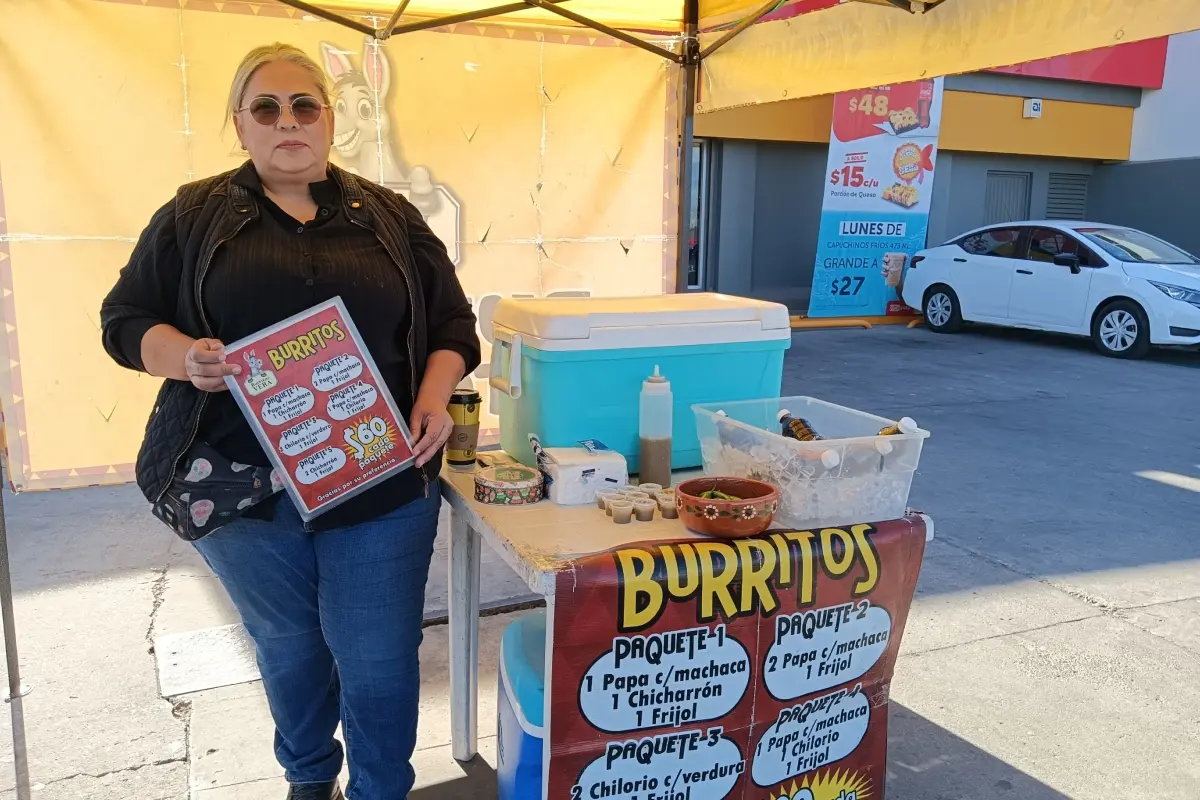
(520, 707)
(570, 369)
(869, 482)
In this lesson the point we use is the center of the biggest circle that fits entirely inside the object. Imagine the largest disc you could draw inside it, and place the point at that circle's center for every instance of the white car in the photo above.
(1125, 288)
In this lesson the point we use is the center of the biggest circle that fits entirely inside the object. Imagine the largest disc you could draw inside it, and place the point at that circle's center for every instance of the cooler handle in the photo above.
(511, 385)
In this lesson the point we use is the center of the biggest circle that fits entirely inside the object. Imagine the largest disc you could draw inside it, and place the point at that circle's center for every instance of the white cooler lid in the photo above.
(582, 323)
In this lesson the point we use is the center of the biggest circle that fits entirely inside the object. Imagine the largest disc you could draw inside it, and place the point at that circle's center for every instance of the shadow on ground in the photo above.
(478, 780)
(925, 762)
(1037, 442)
(1177, 356)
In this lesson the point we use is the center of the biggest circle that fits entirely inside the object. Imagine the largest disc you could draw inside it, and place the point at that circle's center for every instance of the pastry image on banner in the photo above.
(875, 215)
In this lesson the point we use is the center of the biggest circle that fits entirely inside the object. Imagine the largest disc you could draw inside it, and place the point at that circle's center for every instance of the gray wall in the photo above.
(766, 210)
(958, 190)
(768, 215)
(1046, 88)
(1157, 196)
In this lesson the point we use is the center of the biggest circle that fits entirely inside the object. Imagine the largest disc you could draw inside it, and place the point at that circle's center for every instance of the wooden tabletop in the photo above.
(539, 541)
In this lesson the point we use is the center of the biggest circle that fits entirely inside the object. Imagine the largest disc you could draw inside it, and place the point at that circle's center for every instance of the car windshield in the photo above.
(1130, 245)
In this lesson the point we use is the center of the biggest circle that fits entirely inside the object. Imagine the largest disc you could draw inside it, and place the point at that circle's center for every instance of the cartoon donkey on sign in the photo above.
(363, 143)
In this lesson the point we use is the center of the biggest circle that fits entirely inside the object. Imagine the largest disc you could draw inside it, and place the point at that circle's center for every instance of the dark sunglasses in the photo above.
(266, 110)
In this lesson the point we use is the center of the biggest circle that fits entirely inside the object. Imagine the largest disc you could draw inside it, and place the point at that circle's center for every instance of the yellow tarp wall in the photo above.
(559, 155)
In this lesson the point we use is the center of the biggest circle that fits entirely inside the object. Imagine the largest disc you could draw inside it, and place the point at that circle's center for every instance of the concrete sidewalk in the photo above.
(1008, 687)
(1053, 650)
(231, 732)
(97, 582)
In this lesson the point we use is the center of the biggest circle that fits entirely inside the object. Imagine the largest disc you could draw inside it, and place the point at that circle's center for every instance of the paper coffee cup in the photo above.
(893, 268)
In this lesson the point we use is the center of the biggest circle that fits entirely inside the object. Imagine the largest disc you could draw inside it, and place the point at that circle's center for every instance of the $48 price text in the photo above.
(875, 105)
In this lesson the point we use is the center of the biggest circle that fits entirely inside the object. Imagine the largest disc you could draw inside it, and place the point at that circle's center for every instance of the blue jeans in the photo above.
(336, 622)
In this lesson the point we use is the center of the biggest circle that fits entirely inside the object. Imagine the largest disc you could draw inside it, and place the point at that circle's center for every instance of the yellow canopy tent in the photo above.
(555, 152)
(82, 174)
(800, 48)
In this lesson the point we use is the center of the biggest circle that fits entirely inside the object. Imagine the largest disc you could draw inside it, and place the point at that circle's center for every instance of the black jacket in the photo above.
(208, 213)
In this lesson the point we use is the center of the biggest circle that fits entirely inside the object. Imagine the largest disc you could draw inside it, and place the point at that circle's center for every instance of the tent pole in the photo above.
(767, 8)
(16, 690)
(607, 30)
(386, 31)
(687, 117)
(467, 16)
(316, 11)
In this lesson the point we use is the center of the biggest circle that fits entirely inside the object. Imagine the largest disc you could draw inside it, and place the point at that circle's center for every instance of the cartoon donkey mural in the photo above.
(363, 144)
(363, 141)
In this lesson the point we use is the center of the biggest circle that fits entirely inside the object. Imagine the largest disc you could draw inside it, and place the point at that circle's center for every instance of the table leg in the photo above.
(464, 637)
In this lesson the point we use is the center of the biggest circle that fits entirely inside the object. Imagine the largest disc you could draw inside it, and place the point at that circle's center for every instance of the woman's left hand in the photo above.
(431, 426)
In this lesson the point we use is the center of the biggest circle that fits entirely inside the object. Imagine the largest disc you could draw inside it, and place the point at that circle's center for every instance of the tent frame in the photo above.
(689, 56)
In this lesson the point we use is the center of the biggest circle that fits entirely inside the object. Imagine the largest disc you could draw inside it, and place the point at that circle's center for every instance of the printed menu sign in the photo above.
(315, 400)
(755, 669)
(878, 190)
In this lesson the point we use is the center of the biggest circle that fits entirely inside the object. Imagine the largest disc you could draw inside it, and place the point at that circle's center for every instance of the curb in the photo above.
(800, 322)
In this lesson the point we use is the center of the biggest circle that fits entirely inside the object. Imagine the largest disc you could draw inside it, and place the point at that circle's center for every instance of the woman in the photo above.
(334, 606)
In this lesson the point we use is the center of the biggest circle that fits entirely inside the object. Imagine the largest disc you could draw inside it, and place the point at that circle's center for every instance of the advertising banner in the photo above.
(314, 398)
(756, 669)
(882, 155)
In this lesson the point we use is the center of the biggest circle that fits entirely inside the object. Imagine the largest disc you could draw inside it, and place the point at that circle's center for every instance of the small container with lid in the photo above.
(668, 507)
(621, 511)
(603, 498)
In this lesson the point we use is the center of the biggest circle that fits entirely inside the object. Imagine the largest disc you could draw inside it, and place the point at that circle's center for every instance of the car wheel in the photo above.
(941, 310)
(1121, 330)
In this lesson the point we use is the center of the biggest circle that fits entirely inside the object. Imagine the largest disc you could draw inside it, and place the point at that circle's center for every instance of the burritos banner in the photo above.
(882, 158)
(543, 159)
(756, 669)
(314, 398)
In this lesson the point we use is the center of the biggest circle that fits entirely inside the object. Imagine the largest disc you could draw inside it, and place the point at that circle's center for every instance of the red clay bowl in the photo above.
(727, 519)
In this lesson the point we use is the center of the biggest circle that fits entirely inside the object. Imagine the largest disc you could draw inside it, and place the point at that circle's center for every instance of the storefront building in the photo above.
(1096, 135)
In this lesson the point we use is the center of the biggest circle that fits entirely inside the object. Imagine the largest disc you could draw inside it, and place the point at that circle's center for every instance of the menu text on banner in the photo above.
(747, 670)
(314, 398)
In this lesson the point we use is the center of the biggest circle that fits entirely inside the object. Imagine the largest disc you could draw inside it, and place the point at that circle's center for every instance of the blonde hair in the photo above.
(267, 54)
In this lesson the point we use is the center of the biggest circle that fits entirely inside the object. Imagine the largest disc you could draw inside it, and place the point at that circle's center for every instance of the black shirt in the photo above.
(260, 265)
(283, 267)
(278, 266)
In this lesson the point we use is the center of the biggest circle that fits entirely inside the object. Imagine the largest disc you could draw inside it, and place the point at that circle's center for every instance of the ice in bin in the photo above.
(852, 475)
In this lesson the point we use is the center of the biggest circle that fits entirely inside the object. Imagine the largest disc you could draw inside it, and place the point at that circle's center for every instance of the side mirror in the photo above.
(1070, 260)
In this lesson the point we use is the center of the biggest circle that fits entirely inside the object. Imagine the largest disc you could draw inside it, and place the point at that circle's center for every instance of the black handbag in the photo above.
(209, 491)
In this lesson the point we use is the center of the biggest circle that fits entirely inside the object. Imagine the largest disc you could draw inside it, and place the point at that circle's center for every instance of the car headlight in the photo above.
(1178, 293)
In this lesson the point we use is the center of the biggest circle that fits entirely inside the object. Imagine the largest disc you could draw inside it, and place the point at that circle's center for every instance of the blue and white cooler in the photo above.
(520, 709)
(571, 369)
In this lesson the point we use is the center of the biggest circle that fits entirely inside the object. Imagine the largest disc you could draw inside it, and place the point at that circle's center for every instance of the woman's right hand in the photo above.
(205, 365)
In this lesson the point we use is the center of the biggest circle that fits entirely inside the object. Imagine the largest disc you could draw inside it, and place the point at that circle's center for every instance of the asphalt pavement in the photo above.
(1053, 650)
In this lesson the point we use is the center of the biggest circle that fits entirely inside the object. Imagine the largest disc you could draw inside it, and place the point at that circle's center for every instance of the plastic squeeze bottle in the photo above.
(654, 430)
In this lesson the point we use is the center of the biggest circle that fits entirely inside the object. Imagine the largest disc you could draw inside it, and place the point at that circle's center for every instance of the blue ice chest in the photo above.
(520, 707)
(570, 369)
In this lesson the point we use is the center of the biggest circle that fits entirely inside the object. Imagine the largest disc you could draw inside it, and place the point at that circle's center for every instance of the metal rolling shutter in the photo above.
(1006, 197)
